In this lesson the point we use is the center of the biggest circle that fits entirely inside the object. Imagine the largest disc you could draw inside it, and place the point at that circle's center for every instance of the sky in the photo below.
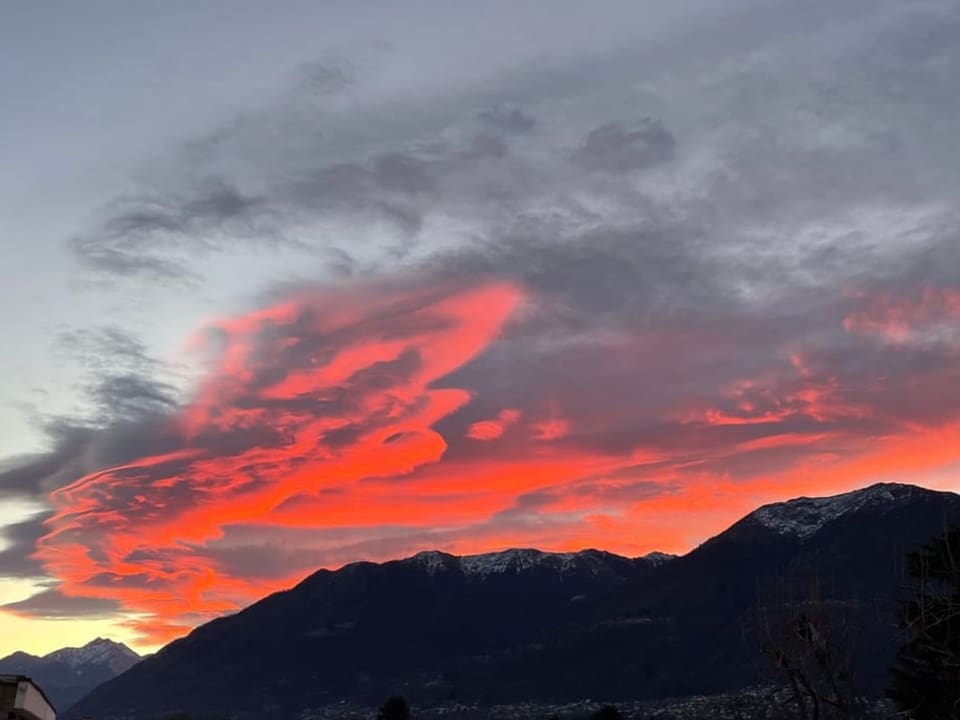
(287, 285)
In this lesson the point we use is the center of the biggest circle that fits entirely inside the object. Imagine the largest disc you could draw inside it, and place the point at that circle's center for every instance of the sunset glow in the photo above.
(328, 413)
(293, 285)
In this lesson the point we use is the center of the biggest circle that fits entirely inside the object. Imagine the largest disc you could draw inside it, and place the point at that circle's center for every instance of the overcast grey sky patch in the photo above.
(618, 148)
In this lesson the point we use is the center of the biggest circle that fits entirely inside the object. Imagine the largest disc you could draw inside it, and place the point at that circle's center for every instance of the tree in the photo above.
(394, 709)
(926, 677)
(809, 641)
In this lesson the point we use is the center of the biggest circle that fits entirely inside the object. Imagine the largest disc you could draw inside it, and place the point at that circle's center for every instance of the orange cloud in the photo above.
(341, 426)
(493, 429)
(355, 402)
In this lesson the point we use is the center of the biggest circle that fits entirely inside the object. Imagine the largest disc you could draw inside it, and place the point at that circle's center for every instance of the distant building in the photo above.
(22, 699)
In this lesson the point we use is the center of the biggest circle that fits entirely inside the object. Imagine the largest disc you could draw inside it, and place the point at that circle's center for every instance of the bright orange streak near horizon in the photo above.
(322, 413)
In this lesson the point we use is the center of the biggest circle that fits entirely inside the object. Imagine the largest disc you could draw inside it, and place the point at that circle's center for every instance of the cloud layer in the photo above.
(608, 300)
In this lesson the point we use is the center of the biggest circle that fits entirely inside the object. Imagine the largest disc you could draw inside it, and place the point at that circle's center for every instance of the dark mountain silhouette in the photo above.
(527, 625)
(366, 628)
(691, 627)
(68, 674)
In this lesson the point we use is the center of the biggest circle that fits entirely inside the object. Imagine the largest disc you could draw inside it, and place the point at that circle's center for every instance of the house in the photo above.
(22, 699)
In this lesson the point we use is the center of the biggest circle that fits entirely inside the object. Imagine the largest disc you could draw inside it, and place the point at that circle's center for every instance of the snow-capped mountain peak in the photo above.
(97, 652)
(804, 516)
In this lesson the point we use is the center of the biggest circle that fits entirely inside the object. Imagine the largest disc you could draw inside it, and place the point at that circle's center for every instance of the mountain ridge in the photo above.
(525, 624)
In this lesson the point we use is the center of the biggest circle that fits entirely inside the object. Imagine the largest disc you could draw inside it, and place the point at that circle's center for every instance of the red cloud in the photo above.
(493, 429)
(337, 422)
(316, 395)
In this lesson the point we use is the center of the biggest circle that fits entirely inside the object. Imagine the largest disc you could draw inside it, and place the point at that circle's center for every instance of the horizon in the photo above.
(298, 285)
(149, 651)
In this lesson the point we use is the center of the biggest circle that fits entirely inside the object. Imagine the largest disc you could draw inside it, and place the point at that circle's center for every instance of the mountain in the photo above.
(529, 625)
(368, 628)
(692, 626)
(68, 674)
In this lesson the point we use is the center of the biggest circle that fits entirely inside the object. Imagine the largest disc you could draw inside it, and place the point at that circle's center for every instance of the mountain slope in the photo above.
(366, 629)
(691, 627)
(68, 674)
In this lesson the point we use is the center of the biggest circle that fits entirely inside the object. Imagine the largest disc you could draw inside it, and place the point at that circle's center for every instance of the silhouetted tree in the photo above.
(394, 709)
(926, 678)
(607, 712)
(810, 643)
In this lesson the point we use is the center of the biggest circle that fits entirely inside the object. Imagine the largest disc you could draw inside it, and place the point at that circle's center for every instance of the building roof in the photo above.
(26, 678)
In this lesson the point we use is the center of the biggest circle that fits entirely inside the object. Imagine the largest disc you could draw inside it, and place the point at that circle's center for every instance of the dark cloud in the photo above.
(526, 505)
(148, 234)
(132, 396)
(486, 146)
(21, 540)
(507, 121)
(617, 148)
(127, 403)
(403, 174)
(777, 142)
(52, 604)
(97, 254)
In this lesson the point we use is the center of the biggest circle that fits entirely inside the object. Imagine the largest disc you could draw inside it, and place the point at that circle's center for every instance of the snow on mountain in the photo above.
(68, 674)
(658, 558)
(804, 516)
(433, 561)
(518, 560)
(101, 651)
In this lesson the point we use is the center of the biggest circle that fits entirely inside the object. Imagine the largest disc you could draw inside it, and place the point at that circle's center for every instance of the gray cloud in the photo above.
(52, 604)
(123, 382)
(507, 120)
(691, 224)
(785, 179)
(147, 234)
(21, 539)
(617, 148)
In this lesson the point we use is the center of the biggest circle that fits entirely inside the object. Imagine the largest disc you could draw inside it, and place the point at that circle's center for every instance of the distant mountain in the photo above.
(528, 625)
(68, 674)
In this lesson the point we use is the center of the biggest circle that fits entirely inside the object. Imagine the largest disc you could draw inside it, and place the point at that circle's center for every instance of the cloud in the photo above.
(52, 604)
(372, 419)
(507, 121)
(494, 428)
(19, 543)
(608, 302)
(616, 148)
(148, 234)
(345, 384)
(930, 315)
